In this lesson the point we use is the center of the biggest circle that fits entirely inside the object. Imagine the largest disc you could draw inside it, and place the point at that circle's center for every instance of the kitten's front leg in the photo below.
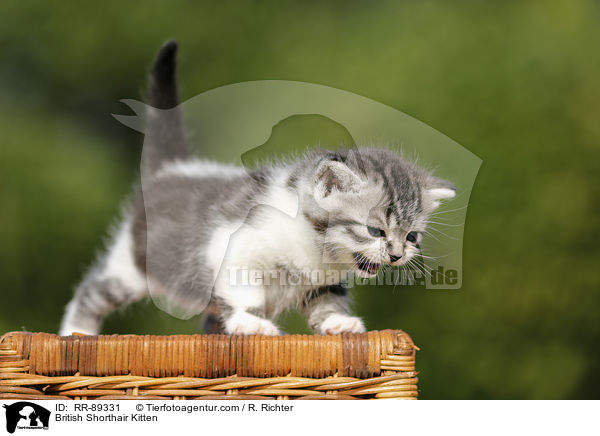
(328, 312)
(241, 322)
(242, 310)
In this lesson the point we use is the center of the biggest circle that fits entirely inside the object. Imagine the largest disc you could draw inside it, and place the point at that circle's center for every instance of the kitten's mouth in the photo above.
(365, 265)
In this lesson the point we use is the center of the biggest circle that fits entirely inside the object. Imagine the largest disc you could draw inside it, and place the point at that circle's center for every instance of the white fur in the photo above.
(243, 323)
(68, 327)
(281, 198)
(263, 247)
(217, 247)
(442, 193)
(337, 323)
(277, 236)
(198, 168)
(120, 263)
(437, 194)
(242, 297)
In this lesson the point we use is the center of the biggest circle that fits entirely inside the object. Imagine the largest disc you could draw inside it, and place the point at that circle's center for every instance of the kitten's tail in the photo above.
(166, 140)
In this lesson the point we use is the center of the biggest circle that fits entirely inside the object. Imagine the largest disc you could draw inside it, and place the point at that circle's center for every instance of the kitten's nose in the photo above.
(394, 258)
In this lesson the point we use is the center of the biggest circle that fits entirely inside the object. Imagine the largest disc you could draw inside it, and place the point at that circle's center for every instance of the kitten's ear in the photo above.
(438, 190)
(334, 177)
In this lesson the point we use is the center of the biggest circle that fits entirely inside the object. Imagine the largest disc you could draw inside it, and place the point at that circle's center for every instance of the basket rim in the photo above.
(361, 355)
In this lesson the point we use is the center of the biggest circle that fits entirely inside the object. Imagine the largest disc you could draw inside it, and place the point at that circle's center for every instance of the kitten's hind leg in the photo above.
(114, 282)
(94, 299)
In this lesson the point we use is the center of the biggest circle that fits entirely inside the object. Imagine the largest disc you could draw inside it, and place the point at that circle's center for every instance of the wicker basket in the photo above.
(373, 365)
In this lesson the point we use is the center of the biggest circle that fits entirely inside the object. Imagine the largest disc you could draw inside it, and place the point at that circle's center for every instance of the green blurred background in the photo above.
(515, 82)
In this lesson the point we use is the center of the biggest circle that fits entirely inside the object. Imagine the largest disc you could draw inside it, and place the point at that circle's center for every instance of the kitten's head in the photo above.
(377, 204)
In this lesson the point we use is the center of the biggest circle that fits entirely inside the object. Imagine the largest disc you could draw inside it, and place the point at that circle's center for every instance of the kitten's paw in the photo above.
(338, 323)
(67, 330)
(243, 323)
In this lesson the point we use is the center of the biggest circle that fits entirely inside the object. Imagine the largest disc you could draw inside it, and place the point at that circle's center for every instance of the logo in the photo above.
(26, 415)
(259, 110)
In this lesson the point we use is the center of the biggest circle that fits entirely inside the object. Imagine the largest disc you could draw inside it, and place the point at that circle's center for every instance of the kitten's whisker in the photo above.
(432, 235)
(448, 211)
(429, 257)
(418, 267)
(441, 233)
(446, 224)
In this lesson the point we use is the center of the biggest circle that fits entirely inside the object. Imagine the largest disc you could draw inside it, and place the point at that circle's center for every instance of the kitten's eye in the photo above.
(412, 237)
(374, 231)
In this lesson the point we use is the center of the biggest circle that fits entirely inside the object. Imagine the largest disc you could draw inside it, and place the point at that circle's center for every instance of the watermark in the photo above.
(315, 278)
(236, 124)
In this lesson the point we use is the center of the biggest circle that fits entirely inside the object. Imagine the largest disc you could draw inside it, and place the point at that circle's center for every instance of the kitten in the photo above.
(347, 211)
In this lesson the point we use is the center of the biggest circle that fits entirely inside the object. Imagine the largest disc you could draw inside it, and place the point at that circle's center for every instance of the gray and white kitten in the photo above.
(350, 210)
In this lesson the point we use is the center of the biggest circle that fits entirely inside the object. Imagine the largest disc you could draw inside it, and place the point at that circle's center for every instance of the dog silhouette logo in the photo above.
(26, 415)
